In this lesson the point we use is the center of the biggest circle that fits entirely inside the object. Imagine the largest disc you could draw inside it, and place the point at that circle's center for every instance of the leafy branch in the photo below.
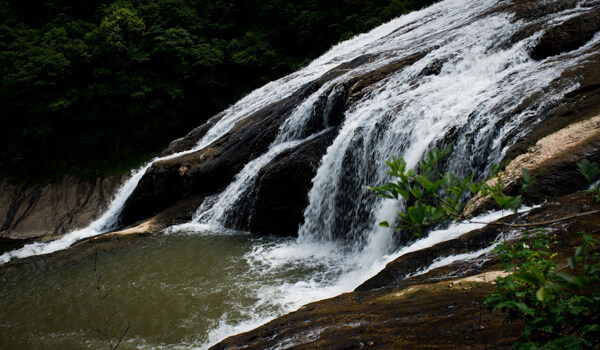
(559, 308)
(433, 197)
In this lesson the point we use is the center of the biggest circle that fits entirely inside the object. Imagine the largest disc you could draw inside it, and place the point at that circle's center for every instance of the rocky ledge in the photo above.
(52, 208)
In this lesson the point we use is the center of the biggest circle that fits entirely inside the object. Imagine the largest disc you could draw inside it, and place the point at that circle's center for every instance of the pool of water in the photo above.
(175, 291)
(188, 290)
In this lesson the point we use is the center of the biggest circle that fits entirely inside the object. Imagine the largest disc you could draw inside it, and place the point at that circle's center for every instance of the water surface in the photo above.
(175, 291)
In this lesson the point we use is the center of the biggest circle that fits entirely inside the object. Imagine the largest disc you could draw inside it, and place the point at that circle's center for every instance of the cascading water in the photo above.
(461, 77)
(470, 103)
(253, 102)
(469, 100)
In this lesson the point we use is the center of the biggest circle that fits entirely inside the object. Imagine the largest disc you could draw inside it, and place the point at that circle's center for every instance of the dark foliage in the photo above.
(92, 87)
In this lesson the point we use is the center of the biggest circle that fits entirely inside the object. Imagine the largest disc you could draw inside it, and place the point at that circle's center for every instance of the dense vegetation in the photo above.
(93, 86)
(559, 308)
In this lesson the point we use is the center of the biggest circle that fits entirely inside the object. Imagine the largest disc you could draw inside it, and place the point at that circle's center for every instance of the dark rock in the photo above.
(211, 169)
(191, 139)
(411, 263)
(568, 36)
(359, 86)
(434, 68)
(276, 205)
(532, 10)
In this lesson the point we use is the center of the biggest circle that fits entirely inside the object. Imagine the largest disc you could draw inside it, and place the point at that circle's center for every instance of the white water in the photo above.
(341, 271)
(404, 115)
(475, 101)
(475, 97)
(470, 99)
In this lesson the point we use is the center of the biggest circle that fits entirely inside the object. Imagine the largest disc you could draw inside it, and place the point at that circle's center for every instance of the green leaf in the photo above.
(542, 294)
(474, 188)
(525, 277)
(565, 276)
(417, 214)
(417, 193)
(580, 281)
(589, 170)
(494, 170)
(527, 179)
(526, 175)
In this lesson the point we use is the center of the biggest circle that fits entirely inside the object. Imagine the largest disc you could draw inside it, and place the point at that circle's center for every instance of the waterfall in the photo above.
(260, 98)
(470, 101)
(461, 89)
(459, 71)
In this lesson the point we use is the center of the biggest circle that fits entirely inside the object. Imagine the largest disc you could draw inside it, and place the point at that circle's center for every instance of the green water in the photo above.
(176, 291)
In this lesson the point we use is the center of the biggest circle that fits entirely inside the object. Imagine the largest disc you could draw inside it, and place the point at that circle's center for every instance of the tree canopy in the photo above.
(93, 87)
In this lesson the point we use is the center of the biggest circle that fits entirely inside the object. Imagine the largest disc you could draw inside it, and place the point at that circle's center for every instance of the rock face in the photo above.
(276, 204)
(192, 138)
(51, 209)
(567, 36)
(441, 309)
(555, 167)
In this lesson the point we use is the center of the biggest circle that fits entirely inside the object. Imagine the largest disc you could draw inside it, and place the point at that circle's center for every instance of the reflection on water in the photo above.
(175, 291)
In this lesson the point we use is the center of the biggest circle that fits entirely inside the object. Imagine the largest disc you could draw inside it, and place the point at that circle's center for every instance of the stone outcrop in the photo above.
(52, 208)
(441, 309)
(191, 139)
(554, 160)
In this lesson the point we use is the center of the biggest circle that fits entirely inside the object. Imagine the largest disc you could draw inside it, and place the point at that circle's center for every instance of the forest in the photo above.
(92, 88)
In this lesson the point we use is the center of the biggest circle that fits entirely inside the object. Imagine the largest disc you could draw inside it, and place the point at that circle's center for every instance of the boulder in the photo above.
(191, 139)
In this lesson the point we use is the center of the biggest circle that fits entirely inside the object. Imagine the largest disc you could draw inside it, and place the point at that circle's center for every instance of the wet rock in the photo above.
(580, 104)
(531, 10)
(556, 167)
(52, 208)
(361, 85)
(434, 68)
(567, 36)
(276, 204)
(191, 139)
